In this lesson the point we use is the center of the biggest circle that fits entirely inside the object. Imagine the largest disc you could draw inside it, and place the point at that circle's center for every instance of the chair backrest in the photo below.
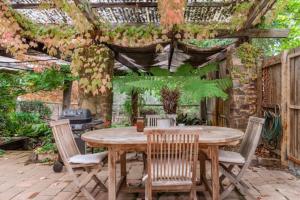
(172, 153)
(151, 120)
(173, 118)
(64, 139)
(251, 138)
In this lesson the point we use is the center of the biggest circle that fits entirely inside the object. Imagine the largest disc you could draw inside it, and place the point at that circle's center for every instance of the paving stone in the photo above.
(38, 181)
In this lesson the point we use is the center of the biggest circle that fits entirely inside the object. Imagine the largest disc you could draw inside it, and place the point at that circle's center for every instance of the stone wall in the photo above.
(243, 95)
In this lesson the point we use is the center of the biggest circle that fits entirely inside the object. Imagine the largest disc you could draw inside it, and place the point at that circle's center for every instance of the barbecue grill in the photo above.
(80, 121)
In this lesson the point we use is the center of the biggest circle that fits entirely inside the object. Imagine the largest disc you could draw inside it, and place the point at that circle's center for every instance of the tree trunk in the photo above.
(67, 94)
(134, 105)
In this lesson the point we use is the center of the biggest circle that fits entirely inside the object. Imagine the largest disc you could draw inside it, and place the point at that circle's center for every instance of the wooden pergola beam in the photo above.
(126, 5)
(259, 9)
(87, 12)
(257, 33)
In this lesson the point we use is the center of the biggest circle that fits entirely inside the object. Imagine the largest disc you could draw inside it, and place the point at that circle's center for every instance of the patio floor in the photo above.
(20, 180)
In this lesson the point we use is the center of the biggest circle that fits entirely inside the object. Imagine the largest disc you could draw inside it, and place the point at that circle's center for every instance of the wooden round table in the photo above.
(122, 140)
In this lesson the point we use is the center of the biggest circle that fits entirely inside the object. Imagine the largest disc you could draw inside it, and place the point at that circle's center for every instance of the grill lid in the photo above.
(77, 116)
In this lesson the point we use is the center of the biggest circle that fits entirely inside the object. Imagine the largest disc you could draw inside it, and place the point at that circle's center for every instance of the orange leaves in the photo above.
(10, 33)
(171, 12)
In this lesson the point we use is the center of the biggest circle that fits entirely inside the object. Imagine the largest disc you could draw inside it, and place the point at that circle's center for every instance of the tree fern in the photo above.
(191, 82)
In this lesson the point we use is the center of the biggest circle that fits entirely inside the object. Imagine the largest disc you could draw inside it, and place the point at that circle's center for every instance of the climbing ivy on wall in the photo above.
(249, 55)
(93, 65)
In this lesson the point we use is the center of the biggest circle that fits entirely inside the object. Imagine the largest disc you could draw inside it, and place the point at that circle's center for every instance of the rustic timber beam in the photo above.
(257, 33)
(126, 5)
(258, 10)
(127, 62)
(87, 11)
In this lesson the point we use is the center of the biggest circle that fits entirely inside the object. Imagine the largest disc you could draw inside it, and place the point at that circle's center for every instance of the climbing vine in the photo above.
(18, 33)
(248, 54)
(93, 65)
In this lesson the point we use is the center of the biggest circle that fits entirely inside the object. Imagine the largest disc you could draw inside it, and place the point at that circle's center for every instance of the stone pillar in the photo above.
(243, 95)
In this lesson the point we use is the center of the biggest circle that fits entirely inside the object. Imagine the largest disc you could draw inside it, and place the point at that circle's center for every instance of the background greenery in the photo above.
(30, 119)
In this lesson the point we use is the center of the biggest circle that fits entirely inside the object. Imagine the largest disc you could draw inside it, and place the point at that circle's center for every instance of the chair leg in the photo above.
(193, 194)
(202, 167)
(148, 191)
(145, 162)
(87, 194)
(235, 181)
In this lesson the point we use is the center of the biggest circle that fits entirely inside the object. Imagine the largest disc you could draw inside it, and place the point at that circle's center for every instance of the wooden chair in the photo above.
(242, 159)
(152, 119)
(173, 118)
(172, 160)
(82, 168)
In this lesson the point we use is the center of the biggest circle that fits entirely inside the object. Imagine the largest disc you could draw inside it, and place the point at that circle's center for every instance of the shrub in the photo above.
(27, 124)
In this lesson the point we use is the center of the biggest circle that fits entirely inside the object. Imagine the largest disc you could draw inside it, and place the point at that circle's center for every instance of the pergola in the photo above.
(144, 12)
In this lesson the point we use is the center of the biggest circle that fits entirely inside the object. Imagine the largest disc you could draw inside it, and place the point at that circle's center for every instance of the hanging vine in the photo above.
(249, 56)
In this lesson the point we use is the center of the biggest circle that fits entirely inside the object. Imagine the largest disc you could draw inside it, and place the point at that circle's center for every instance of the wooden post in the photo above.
(284, 115)
(259, 88)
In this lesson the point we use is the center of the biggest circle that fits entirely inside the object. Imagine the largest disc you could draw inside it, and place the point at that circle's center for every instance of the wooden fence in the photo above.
(279, 91)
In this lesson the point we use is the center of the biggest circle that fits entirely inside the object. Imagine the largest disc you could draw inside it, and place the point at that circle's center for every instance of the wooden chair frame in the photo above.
(247, 150)
(67, 148)
(151, 120)
(172, 156)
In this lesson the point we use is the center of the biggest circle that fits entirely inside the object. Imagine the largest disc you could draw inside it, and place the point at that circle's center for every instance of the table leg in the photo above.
(215, 172)
(202, 159)
(123, 167)
(112, 174)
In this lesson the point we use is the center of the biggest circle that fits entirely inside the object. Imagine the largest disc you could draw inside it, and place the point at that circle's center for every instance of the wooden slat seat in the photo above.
(231, 157)
(170, 168)
(96, 158)
(172, 183)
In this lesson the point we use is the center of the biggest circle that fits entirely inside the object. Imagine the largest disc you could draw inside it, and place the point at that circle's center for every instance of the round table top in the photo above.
(210, 135)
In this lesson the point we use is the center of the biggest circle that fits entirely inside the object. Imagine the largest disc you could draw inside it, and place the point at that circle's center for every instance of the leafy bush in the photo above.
(37, 107)
(27, 124)
(187, 120)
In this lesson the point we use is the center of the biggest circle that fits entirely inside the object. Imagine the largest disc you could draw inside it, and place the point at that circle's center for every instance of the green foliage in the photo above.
(47, 147)
(286, 14)
(248, 54)
(210, 43)
(191, 82)
(11, 86)
(27, 124)
(50, 79)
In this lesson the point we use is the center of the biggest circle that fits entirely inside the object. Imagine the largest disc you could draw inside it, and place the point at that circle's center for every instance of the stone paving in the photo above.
(20, 180)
